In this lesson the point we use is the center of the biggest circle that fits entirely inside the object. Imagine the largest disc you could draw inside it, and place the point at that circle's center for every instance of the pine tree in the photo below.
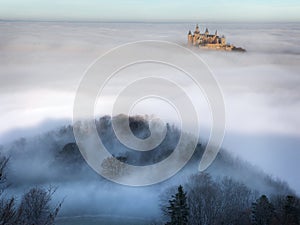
(262, 211)
(178, 209)
(291, 210)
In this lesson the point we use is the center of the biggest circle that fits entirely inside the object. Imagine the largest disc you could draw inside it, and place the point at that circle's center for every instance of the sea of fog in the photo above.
(42, 64)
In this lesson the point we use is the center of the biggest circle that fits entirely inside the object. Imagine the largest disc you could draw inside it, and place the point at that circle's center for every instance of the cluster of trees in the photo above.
(209, 202)
(34, 207)
(280, 210)
(139, 126)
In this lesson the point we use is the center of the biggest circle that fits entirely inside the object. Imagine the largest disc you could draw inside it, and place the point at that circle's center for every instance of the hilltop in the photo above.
(58, 151)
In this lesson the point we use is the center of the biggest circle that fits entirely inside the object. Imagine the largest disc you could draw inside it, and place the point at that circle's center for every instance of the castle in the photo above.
(210, 41)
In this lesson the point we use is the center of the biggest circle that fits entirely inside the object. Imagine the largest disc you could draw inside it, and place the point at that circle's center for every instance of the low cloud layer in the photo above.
(43, 63)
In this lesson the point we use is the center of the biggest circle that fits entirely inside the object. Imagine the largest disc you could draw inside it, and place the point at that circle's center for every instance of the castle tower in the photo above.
(215, 39)
(196, 35)
(223, 40)
(206, 32)
(190, 39)
(197, 31)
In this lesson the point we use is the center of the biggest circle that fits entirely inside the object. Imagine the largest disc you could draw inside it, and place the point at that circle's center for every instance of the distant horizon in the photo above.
(151, 11)
(150, 21)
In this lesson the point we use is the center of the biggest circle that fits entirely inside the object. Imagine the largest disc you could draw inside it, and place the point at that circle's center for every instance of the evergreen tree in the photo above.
(178, 209)
(291, 210)
(262, 211)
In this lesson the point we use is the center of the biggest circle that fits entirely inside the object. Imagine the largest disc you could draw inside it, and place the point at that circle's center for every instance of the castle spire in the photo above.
(206, 31)
(216, 33)
(197, 29)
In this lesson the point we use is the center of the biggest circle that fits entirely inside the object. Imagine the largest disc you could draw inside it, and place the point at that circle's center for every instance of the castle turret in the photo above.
(223, 40)
(190, 39)
(197, 31)
(196, 35)
(206, 32)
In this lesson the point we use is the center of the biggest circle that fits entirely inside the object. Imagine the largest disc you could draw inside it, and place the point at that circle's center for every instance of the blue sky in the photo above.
(151, 10)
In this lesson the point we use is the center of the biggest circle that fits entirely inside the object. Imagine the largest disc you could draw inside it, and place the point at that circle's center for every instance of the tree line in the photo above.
(226, 202)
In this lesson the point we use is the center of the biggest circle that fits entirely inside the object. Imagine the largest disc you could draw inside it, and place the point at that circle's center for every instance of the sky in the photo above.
(151, 10)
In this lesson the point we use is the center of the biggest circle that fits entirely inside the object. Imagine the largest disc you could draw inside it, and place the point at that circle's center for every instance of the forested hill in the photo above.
(57, 157)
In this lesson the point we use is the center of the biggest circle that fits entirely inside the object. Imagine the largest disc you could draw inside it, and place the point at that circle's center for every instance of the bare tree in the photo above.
(7, 205)
(34, 209)
(235, 200)
(3, 165)
(8, 211)
(203, 199)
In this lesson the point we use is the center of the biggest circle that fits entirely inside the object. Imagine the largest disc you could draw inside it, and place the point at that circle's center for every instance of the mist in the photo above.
(53, 159)
(42, 64)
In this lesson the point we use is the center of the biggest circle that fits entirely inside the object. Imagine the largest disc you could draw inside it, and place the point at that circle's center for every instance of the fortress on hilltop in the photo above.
(210, 41)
